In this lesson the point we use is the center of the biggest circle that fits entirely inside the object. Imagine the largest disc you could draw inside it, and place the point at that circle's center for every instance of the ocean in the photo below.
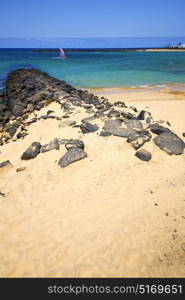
(100, 69)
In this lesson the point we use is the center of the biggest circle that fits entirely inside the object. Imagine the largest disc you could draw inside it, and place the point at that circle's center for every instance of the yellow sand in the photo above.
(109, 215)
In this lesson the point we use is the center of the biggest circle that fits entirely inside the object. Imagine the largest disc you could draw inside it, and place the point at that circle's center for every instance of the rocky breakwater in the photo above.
(28, 91)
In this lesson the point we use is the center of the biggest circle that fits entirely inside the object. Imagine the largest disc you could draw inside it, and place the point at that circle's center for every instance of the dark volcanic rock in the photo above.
(134, 124)
(112, 124)
(12, 130)
(158, 129)
(54, 144)
(21, 135)
(121, 132)
(134, 135)
(170, 143)
(32, 151)
(76, 101)
(72, 155)
(105, 133)
(133, 108)
(30, 107)
(113, 127)
(87, 127)
(149, 120)
(33, 120)
(77, 143)
(140, 141)
(143, 115)
(50, 112)
(127, 115)
(45, 117)
(113, 113)
(143, 155)
(71, 142)
(27, 88)
(139, 138)
(100, 106)
(120, 104)
(5, 164)
(101, 111)
(39, 105)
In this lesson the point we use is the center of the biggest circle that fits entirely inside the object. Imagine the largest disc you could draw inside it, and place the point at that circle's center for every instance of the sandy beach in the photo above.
(109, 215)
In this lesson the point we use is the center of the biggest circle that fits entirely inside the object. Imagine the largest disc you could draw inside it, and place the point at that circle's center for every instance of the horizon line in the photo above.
(86, 37)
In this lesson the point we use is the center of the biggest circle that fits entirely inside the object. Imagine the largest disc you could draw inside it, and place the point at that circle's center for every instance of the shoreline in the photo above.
(173, 89)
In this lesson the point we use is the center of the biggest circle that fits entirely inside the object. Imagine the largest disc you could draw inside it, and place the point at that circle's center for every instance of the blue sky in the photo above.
(37, 23)
(91, 18)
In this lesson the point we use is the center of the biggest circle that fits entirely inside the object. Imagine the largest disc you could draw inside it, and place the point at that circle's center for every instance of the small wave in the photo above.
(144, 86)
(160, 85)
(57, 58)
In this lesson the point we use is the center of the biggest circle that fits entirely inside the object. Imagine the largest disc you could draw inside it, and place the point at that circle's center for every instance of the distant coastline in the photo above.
(110, 49)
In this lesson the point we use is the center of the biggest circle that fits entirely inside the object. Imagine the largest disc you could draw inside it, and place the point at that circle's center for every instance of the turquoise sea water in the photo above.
(92, 70)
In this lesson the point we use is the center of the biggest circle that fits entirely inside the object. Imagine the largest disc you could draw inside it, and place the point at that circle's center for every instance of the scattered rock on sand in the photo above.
(113, 127)
(54, 144)
(45, 117)
(134, 135)
(72, 155)
(32, 151)
(158, 129)
(2, 194)
(105, 133)
(76, 143)
(5, 164)
(21, 135)
(49, 112)
(87, 127)
(20, 169)
(143, 155)
(170, 143)
(71, 142)
(140, 141)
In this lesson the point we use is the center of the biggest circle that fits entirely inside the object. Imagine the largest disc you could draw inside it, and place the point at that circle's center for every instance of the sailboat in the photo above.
(62, 54)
